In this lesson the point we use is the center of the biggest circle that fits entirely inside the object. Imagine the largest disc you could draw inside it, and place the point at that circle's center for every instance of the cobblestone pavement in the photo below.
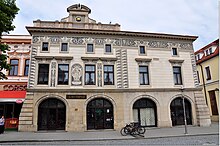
(181, 140)
(197, 135)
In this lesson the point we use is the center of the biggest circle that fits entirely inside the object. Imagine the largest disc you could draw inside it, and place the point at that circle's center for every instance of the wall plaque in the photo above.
(75, 96)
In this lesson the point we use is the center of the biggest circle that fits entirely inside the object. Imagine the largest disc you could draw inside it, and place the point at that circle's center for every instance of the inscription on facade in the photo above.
(76, 96)
(15, 87)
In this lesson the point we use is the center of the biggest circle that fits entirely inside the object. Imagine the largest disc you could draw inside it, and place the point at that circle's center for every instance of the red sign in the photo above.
(19, 101)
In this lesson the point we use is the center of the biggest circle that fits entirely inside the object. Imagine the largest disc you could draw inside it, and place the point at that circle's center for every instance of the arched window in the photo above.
(144, 112)
(100, 114)
(51, 115)
(177, 113)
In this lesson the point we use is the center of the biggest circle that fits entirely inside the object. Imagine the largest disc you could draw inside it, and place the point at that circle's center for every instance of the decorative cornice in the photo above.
(143, 59)
(176, 60)
(121, 90)
(100, 58)
(55, 57)
(110, 32)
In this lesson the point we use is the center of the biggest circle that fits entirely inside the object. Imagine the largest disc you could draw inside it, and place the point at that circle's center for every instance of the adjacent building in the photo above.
(86, 75)
(13, 90)
(207, 61)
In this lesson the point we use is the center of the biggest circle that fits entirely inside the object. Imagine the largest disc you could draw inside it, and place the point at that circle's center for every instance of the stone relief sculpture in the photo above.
(77, 71)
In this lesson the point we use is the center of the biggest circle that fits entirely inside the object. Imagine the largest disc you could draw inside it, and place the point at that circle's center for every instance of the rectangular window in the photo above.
(210, 51)
(45, 46)
(142, 50)
(208, 73)
(198, 76)
(108, 75)
(43, 73)
(26, 67)
(14, 67)
(90, 75)
(90, 48)
(108, 48)
(63, 74)
(207, 52)
(64, 47)
(177, 75)
(143, 75)
(174, 51)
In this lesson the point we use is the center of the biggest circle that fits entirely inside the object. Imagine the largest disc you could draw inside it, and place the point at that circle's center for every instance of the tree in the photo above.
(8, 10)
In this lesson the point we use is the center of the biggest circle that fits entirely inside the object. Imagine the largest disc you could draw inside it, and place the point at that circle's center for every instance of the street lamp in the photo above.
(184, 110)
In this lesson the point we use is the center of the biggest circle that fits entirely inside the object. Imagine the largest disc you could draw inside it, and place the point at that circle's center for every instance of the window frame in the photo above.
(143, 75)
(42, 47)
(108, 73)
(63, 82)
(208, 73)
(13, 68)
(90, 72)
(140, 52)
(174, 51)
(198, 76)
(67, 47)
(110, 48)
(26, 67)
(44, 74)
(87, 46)
(175, 76)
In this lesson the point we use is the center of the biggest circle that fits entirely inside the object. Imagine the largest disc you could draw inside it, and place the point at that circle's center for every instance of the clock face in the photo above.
(78, 19)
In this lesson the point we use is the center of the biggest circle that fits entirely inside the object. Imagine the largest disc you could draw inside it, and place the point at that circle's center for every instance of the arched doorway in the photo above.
(51, 115)
(177, 113)
(144, 112)
(100, 114)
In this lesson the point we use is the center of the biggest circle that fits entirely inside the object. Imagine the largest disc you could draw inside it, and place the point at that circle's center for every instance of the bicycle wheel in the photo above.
(141, 130)
(124, 131)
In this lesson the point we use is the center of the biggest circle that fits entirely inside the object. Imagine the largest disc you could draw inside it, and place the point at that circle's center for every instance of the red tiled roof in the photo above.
(204, 57)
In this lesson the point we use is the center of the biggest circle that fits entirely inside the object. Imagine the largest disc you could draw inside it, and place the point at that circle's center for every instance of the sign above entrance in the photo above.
(75, 96)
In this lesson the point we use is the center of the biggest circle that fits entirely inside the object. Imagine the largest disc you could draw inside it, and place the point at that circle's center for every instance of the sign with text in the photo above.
(75, 96)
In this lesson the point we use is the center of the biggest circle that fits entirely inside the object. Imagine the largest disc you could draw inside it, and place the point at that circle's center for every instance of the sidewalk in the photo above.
(9, 136)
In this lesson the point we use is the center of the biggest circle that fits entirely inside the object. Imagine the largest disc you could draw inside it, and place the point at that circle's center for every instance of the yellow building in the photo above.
(207, 59)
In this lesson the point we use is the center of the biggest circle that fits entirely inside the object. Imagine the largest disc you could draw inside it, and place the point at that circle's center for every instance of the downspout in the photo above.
(203, 80)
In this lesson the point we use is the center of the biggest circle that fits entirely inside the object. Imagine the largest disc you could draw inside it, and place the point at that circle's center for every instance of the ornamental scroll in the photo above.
(76, 74)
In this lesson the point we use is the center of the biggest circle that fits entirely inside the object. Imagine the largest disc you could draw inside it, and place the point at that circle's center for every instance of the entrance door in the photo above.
(100, 114)
(213, 102)
(177, 113)
(51, 115)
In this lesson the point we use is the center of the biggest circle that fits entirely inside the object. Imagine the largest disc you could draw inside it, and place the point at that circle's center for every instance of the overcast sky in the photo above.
(185, 17)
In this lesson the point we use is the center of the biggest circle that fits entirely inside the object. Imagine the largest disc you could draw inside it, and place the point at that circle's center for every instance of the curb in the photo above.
(130, 138)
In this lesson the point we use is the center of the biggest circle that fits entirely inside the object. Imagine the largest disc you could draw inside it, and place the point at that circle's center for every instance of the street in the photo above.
(179, 140)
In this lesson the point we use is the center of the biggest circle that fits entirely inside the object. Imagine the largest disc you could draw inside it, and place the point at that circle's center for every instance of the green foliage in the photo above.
(8, 10)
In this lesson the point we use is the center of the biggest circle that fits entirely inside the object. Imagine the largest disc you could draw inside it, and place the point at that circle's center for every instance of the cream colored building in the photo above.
(86, 75)
(207, 60)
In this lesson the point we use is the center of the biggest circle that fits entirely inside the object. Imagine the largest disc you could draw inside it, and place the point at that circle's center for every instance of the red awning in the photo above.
(12, 96)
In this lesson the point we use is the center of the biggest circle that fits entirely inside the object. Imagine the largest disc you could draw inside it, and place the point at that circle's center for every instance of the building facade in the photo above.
(207, 61)
(86, 75)
(13, 90)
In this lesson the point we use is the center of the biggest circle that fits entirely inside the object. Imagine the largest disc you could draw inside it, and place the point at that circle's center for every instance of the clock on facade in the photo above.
(78, 19)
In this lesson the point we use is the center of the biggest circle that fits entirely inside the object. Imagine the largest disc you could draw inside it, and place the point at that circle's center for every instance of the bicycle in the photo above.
(132, 129)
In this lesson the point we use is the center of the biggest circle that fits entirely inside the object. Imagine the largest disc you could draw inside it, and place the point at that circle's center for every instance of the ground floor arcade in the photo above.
(94, 110)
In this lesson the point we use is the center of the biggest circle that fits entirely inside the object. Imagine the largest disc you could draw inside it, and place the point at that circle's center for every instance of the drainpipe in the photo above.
(203, 80)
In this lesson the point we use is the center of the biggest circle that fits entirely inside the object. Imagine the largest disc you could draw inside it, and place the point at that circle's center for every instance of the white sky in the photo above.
(184, 17)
